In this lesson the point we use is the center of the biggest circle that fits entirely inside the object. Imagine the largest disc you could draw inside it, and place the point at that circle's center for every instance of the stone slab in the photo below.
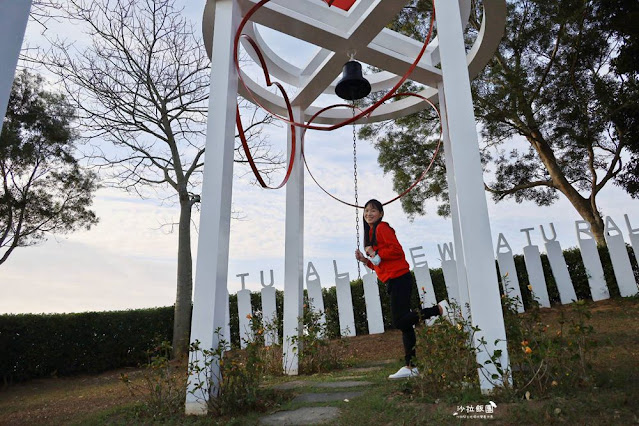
(302, 416)
(343, 384)
(327, 397)
(294, 384)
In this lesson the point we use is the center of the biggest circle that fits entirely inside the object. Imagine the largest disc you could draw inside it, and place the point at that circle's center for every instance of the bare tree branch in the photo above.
(141, 89)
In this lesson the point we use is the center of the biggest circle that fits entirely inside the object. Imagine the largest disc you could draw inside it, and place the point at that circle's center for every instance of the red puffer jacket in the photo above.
(393, 262)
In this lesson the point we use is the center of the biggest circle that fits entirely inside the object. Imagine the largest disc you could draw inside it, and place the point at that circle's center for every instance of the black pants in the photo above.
(404, 319)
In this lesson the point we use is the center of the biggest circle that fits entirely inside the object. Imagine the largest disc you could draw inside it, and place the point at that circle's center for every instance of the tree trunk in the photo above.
(586, 209)
(183, 300)
(594, 219)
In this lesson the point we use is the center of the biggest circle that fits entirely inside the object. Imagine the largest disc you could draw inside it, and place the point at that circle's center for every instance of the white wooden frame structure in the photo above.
(445, 69)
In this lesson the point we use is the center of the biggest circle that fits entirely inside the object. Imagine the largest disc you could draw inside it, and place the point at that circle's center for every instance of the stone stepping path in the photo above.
(327, 397)
(345, 384)
(294, 384)
(317, 415)
(302, 416)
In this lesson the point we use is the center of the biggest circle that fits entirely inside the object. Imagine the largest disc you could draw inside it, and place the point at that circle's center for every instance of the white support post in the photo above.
(620, 260)
(558, 266)
(535, 270)
(536, 278)
(481, 274)
(269, 311)
(510, 280)
(244, 315)
(215, 220)
(633, 236)
(314, 293)
(344, 303)
(449, 268)
(592, 262)
(14, 15)
(462, 282)
(294, 255)
(423, 279)
(373, 303)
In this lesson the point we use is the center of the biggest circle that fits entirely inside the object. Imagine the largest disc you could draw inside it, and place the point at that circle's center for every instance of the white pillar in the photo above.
(592, 262)
(620, 260)
(536, 278)
(373, 303)
(215, 220)
(269, 311)
(294, 255)
(244, 315)
(14, 15)
(481, 274)
(344, 303)
(558, 266)
(633, 236)
(508, 272)
(462, 282)
(423, 279)
(314, 293)
(449, 269)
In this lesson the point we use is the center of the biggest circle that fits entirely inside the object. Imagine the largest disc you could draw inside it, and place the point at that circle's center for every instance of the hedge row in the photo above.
(64, 344)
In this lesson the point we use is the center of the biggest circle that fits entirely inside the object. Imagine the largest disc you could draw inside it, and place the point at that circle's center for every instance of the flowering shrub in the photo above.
(446, 357)
(543, 358)
(238, 377)
(163, 387)
(317, 355)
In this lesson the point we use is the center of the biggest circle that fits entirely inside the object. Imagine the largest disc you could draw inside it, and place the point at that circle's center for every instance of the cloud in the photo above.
(69, 276)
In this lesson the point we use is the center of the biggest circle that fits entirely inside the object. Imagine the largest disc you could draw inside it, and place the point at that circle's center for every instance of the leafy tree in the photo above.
(563, 79)
(141, 84)
(44, 189)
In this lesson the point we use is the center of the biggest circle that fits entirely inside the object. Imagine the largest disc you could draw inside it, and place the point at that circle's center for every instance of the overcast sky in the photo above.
(129, 260)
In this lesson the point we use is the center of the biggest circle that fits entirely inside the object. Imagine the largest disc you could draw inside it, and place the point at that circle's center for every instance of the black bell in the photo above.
(353, 85)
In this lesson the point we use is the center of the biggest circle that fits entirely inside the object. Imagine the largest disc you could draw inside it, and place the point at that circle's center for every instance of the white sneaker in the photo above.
(405, 373)
(447, 311)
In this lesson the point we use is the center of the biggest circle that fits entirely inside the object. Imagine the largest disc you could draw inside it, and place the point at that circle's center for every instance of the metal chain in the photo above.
(359, 272)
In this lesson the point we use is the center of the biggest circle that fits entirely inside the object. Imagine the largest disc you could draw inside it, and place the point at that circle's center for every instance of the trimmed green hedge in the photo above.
(64, 344)
(91, 342)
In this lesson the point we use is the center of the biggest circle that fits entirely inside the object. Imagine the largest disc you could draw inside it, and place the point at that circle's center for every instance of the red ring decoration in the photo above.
(247, 151)
(290, 121)
(419, 179)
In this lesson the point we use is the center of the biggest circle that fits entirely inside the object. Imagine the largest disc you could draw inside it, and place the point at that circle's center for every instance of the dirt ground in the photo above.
(64, 400)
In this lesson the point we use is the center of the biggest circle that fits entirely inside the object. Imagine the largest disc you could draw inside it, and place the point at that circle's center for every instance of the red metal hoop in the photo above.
(291, 121)
(363, 113)
(249, 157)
(419, 179)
